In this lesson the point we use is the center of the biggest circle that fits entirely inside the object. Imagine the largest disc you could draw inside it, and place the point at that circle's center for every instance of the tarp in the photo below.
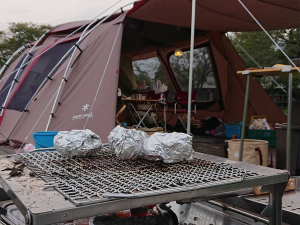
(78, 93)
(67, 26)
(152, 28)
(220, 15)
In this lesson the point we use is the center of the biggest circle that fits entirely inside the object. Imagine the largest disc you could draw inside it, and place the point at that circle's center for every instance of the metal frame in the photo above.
(51, 207)
(6, 64)
(15, 80)
(191, 66)
(131, 106)
(19, 69)
(256, 204)
(54, 68)
(82, 37)
(288, 144)
(289, 116)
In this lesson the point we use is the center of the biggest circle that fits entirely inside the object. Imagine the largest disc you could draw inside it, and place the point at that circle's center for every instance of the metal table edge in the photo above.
(122, 204)
(14, 197)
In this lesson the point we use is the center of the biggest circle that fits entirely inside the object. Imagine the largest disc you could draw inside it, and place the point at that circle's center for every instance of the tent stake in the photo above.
(18, 72)
(191, 66)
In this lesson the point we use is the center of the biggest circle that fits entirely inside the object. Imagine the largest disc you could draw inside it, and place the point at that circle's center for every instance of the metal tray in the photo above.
(45, 206)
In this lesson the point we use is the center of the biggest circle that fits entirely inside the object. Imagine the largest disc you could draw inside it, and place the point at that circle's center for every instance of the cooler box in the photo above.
(266, 135)
(44, 139)
(233, 130)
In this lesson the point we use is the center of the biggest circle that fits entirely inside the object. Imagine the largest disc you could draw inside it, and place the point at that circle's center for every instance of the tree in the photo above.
(19, 34)
(262, 49)
(140, 74)
(202, 70)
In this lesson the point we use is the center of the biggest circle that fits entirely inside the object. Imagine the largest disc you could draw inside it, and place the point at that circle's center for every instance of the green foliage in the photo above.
(19, 34)
(202, 71)
(140, 74)
(160, 74)
(262, 49)
(152, 69)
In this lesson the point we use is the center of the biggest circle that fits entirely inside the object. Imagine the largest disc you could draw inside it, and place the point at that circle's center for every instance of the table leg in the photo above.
(141, 121)
(274, 209)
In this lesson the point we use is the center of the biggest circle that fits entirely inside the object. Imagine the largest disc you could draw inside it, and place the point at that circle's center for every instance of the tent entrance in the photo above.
(147, 57)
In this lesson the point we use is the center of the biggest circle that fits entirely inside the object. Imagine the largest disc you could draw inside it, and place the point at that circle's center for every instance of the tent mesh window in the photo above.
(151, 70)
(5, 89)
(37, 74)
(203, 73)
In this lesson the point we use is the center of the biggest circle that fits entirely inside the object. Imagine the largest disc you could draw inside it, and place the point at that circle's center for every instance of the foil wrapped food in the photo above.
(77, 143)
(169, 147)
(127, 143)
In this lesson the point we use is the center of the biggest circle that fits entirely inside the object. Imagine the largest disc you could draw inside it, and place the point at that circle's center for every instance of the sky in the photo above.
(53, 12)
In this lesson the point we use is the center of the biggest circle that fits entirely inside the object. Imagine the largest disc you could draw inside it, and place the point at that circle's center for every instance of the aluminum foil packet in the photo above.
(127, 143)
(77, 143)
(169, 147)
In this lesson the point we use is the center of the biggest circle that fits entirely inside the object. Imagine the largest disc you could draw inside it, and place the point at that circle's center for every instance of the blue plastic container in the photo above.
(44, 139)
(233, 130)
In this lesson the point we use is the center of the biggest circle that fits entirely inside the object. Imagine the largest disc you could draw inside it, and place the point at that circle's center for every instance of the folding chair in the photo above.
(181, 99)
(150, 96)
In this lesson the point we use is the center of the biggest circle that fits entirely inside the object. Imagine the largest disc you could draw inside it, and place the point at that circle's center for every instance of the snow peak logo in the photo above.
(85, 107)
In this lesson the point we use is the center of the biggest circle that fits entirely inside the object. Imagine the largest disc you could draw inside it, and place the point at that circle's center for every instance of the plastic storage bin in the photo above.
(44, 139)
(266, 135)
(233, 130)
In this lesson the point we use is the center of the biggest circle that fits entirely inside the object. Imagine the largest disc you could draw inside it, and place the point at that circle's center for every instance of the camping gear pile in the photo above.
(259, 124)
(167, 147)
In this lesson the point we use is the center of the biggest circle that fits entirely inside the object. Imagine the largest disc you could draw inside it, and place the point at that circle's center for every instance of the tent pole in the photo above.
(6, 64)
(18, 72)
(65, 38)
(259, 66)
(244, 117)
(64, 79)
(275, 43)
(39, 88)
(289, 124)
(50, 73)
(191, 66)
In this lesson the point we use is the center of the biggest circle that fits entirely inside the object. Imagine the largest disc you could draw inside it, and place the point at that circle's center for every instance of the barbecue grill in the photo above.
(67, 189)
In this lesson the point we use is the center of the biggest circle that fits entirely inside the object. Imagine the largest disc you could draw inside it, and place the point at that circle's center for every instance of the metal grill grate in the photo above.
(85, 180)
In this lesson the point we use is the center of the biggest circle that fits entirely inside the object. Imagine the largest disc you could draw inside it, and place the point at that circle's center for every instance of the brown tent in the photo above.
(151, 29)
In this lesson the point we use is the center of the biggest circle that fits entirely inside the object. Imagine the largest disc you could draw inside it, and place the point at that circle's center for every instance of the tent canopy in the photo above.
(151, 29)
(220, 15)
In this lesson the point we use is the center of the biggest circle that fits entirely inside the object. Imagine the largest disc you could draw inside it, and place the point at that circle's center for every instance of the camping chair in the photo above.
(152, 96)
(181, 99)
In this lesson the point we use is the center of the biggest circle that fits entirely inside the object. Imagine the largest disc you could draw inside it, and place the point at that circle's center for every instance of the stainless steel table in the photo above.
(46, 206)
